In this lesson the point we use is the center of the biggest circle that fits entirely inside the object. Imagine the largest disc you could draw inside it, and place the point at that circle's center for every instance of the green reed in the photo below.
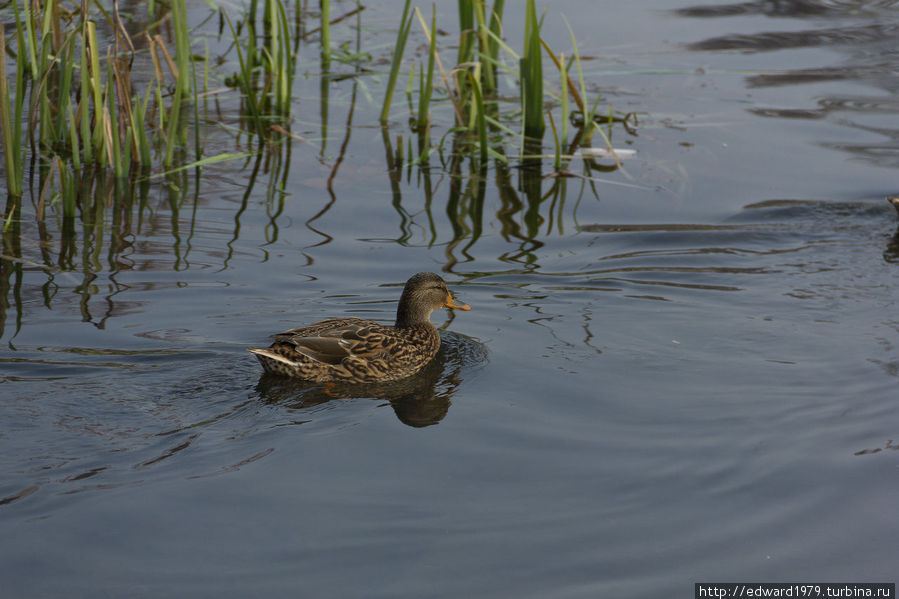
(244, 80)
(480, 59)
(283, 57)
(581, 98)
(478, 50)
(559, 138)
(426, 81)
(183, 51)
(480, 117)
(487, 35)
(75, 96)
(467, 35)
(10, 120)
(265, 74)
(78, 101)
(531, 74)
(484, 118)
(402, 35)
(325, 19)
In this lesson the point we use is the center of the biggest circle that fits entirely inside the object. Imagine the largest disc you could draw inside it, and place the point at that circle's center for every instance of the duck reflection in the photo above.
(770, 8)
(891, 253)
(831, 210)
(420, 400)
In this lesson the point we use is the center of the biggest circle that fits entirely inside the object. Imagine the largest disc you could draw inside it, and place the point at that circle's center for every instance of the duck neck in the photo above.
(409, 314)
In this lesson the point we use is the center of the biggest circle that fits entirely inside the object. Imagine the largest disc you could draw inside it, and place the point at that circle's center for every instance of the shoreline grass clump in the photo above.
(265, 73)
(76, 98)
(75, 92)
(486, 117)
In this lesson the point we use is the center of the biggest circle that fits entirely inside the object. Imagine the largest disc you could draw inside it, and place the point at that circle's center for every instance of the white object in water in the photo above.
(606, 152)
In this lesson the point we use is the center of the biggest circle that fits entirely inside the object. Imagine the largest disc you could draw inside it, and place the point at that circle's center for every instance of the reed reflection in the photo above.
(99, 221)
(529, 197)
(81, 235)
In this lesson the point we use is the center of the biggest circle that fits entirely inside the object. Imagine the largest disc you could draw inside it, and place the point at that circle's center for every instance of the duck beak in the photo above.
(452, 303)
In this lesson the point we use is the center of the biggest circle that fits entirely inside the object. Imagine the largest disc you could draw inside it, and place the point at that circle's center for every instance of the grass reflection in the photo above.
(532, 199)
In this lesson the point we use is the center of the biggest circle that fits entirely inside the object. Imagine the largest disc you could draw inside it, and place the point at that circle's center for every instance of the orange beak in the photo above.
(452, 303)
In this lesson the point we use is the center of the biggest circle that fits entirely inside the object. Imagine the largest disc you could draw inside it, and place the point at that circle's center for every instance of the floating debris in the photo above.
(605, 153)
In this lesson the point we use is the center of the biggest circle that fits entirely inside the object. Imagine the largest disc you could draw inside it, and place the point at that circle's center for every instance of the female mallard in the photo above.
(355, 350)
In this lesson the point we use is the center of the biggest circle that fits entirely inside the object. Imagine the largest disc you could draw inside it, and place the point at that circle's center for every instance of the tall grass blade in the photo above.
(27, 40)
(401, 37)
(480, 116)
(153, 44)
(531, 73)
(325, 6)
(196, 106)
(46, 122)
(65, 84)
(488, 83)
(182, 47)
(140, 132)
(579, 98)
(252, 58)
(66, 189)
(8, 127)
(8, 221)
(285, 61)
(19, 99)
(563, 139)
(424, 98)
(83, 114)
(172, 130)
(73, 139)
(566, 78)
(495, 30)
(115, 147)
(466, 31)
(487, 44)
(465, 59)
(244, 80)
(204, 162)
(94, 85)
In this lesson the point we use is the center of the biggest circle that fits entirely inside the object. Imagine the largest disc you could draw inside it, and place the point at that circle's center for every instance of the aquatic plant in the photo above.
(274, 63)
(81, 105)
(396, 59)
(10, 120)
(483, 119)
(75, 97)
(531, 74)
(426, 80)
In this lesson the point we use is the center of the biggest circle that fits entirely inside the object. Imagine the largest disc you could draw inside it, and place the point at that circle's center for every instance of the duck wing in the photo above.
(332, 341)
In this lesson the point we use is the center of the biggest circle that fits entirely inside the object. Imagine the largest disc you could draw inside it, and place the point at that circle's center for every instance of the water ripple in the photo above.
(811, 38)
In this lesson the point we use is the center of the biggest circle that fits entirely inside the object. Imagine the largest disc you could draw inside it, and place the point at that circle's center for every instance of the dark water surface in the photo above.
(694, 377)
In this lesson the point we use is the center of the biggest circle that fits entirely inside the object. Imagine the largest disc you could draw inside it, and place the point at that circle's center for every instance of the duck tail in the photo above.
(894, 200)
(272, 361)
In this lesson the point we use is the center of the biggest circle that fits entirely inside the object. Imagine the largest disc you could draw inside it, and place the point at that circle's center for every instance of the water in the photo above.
(681, 381)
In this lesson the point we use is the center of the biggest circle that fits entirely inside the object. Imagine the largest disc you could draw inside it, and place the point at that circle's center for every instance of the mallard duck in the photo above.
(356, 350)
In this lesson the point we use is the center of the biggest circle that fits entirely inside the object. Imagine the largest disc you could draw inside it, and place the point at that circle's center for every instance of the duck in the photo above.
(357, 350)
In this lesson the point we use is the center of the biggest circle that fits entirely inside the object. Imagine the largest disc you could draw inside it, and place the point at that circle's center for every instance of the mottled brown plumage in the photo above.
(362, 351)
(894, 200)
